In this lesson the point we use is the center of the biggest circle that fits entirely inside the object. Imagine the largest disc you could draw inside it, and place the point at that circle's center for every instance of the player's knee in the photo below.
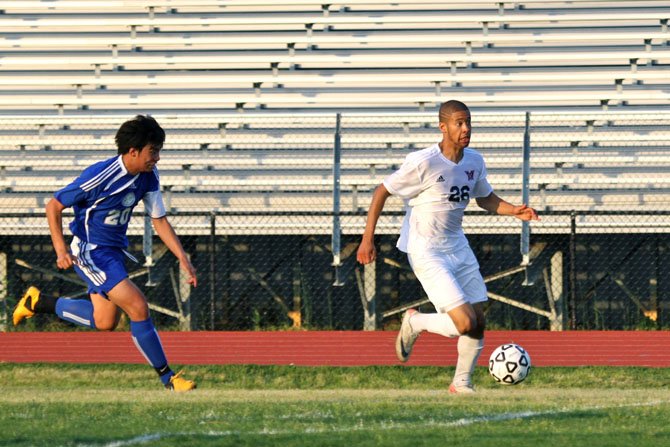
(465, 325)
(106, 324)
(474, 327)
(138, 311)
(105, 327)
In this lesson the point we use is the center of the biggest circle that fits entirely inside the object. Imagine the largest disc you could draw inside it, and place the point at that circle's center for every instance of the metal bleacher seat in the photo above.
(343, 17)
(161, 55)
(599, 157)
(247, 91)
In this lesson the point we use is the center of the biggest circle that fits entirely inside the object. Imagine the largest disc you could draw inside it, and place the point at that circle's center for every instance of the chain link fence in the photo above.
(271, 208)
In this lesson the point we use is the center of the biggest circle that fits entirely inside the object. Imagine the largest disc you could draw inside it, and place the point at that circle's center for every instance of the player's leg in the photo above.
(464, 318)
(469, 347)
(77, 311)
(453, 283)
(132, 301)
(407, 335)
(465, 322)
(440, 323)
(433, 271)
(105, 313)
(103, 268)
(96, 313)
(472, 322)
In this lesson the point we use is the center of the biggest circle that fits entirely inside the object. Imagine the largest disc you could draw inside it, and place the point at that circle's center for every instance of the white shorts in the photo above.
(449, 279)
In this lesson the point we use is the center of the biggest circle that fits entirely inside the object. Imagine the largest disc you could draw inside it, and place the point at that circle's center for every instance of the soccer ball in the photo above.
(509, 364)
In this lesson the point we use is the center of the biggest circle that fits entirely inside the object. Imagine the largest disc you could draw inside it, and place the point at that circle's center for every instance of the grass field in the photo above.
(123, 405)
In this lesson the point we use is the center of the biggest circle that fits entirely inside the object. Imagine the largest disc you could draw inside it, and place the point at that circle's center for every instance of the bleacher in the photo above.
(221, 55)
(604, 161)
(248, 92)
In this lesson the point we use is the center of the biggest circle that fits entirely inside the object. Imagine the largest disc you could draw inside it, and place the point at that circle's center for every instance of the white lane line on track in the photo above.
(384, 425)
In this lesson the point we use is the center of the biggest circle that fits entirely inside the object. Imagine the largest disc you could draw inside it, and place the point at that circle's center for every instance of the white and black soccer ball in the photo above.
(509, 364)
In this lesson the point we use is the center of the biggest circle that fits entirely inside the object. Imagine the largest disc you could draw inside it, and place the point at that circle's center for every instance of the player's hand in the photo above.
(65, 260)
(366, 252)
(524, 212)
(186, 266)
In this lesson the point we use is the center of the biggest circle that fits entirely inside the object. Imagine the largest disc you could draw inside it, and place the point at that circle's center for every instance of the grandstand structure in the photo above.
(284, 163)
(282, 118)
(227, 55)
(253, 87)
(248, 92)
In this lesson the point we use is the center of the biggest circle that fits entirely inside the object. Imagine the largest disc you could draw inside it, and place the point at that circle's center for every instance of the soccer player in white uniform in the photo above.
(103, 198)
(437, 184)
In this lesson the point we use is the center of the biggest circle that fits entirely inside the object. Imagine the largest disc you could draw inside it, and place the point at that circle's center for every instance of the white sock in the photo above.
(436, 323)
(468, 352)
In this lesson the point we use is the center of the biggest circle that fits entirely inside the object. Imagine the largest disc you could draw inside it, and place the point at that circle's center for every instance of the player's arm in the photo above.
(169, 237)
(54, 211)
(494, 204)
(366, 251)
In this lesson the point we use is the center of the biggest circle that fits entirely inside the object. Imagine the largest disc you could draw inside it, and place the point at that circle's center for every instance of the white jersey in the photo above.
(436, 191)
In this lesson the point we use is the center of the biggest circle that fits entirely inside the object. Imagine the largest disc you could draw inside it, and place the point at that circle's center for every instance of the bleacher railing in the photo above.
(255, 200)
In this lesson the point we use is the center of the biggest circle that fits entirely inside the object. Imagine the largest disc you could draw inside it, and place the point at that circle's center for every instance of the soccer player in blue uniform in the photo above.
(103, 198)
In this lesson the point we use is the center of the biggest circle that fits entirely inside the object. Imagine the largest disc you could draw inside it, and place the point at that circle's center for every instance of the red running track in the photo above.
(335, 348)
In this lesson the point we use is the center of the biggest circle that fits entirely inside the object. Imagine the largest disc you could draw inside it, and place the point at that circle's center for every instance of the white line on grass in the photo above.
(384, 425)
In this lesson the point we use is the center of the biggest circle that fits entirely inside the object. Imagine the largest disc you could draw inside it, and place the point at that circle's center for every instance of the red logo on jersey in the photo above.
(470, 174)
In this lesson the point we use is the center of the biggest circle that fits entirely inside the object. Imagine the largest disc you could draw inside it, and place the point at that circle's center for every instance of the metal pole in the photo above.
(336, 202)
(3, 292)
(212, 269)
(370, 311)
(187, 322)
(653, 282)
(525, 226)
(557, 296)
(573, 271)
(147, 249)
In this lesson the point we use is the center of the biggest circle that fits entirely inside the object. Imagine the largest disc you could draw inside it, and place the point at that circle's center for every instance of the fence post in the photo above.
(336, 243)
(370, 309)
(186, 322)
(653, 282)
(212, 268)
(557, 295)
(573, 271)
(147, 249)
(525, 196)
(3, 292)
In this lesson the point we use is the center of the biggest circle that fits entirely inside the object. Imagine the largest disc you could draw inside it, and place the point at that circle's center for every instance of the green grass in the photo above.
(123, 405)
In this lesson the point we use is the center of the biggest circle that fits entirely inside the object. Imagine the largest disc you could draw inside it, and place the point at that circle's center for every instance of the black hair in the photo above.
(450, 107)
(138, 132)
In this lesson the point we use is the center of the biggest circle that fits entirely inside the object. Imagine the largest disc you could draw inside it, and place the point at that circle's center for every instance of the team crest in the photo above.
(470, 174)
(128, 199)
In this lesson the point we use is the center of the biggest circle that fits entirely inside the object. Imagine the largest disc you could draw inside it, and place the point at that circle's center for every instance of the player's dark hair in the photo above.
(449, 107)
(138, 132)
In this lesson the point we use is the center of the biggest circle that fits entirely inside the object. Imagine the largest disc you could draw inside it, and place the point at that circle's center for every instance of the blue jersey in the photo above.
(103, 198)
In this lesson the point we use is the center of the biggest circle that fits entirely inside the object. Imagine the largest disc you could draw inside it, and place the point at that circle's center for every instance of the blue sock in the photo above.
(147, 341)
(76, 311)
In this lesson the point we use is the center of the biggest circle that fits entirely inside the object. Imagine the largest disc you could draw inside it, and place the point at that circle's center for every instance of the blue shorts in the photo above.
(101, 267)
